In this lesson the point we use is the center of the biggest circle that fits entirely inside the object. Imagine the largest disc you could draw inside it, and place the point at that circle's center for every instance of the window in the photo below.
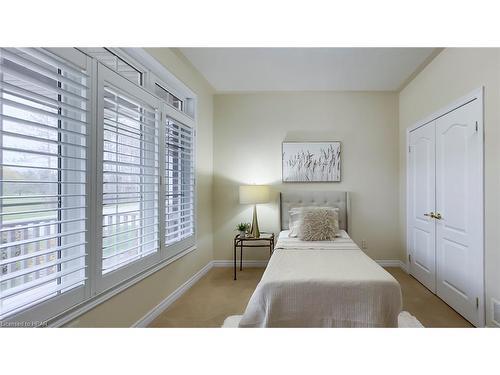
(112, 61)
(169, 97)
(43, 197)
(179, 181)
(97, 178)
(130, 159)
(130, 180)
(158, 81)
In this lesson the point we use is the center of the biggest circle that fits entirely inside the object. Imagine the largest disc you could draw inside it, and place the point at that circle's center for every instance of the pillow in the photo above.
(295, 218)
(320, 224)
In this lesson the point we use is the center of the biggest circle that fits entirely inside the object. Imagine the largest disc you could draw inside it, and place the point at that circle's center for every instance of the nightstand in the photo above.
(265, 240)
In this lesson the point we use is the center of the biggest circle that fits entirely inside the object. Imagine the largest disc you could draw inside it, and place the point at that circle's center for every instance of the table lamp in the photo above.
(254, 194)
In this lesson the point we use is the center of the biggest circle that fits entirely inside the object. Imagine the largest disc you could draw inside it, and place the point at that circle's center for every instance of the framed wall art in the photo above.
(311, 161)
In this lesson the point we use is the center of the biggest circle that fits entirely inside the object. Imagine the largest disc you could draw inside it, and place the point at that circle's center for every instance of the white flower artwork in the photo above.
(311, 161)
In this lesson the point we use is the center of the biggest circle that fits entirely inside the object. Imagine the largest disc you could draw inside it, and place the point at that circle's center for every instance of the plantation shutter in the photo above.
(130, 177)
(44, 127)
(179, 184)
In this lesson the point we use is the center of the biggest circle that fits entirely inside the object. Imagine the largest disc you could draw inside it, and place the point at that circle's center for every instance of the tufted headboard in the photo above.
(327, 198)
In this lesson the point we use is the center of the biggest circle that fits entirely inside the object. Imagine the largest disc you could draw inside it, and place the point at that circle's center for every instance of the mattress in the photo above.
(323, 284)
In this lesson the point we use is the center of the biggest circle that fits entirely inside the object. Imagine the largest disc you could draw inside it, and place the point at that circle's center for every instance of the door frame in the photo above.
(477, 94)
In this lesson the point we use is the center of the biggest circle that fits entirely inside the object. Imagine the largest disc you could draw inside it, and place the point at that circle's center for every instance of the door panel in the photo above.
(459, 201)
(421, 230)
(423, 248)
(454, 257)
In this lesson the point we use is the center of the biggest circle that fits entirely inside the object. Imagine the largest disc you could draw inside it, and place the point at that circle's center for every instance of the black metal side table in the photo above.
(265, 240)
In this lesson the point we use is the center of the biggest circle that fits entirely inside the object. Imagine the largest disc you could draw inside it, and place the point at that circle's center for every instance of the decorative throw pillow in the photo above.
(296, 214)
(319, 224)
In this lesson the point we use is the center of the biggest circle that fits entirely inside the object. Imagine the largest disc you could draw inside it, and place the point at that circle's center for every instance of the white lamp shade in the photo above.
(254, 194)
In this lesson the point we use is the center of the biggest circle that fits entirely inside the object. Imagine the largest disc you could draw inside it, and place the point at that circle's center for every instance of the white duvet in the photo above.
(323, 284)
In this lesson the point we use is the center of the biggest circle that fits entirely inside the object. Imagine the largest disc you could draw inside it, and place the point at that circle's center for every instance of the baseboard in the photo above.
(393, 263)
(246, 263)
(158, 309)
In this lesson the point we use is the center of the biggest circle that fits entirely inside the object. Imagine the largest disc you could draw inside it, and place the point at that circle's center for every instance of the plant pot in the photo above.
(242, 234)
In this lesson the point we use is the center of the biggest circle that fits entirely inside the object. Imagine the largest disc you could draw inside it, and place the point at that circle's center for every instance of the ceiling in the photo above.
(315, 69)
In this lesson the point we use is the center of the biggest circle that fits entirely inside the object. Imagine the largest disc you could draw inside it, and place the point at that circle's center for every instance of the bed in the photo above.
(322, 283)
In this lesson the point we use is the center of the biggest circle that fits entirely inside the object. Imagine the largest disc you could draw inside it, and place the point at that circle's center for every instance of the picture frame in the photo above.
(311, 161)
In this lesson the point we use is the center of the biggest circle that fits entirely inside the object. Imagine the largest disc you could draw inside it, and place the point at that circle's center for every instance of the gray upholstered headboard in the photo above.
(338, 199)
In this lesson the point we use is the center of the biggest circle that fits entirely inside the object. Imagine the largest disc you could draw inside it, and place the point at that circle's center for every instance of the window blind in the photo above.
(179, 182)
(43, 152)
(130, 180)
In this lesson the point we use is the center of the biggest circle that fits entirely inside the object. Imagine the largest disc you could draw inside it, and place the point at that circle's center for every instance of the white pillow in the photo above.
(294, 221)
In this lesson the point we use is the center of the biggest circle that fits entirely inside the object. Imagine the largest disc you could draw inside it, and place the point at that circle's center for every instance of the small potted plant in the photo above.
(242, 228)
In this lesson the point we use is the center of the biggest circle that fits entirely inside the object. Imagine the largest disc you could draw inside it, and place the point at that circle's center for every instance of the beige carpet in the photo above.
(216, 296)
(212, 299)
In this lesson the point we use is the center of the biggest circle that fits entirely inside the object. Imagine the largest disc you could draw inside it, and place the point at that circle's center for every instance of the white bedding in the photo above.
(323, 284)
(343, 242)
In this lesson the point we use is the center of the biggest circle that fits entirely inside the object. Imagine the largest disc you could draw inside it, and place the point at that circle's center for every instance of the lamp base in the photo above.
(254, 231)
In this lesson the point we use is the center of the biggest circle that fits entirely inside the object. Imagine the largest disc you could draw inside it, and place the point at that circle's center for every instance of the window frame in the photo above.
(115, 80)
(61, 309)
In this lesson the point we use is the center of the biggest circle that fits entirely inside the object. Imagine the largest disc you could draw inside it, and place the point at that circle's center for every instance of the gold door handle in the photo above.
(431, 215)
(438, 216)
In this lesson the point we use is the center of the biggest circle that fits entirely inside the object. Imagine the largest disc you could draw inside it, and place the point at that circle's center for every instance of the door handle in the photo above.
(433, 215)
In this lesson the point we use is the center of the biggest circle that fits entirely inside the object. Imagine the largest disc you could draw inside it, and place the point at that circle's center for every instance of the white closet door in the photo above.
(459, 201)
(421, 226)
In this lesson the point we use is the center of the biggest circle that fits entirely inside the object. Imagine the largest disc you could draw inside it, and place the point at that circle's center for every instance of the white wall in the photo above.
(452, 74)
(249, 130)
(129, 306)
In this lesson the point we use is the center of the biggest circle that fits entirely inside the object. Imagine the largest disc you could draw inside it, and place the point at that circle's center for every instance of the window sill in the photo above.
(91, 303)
